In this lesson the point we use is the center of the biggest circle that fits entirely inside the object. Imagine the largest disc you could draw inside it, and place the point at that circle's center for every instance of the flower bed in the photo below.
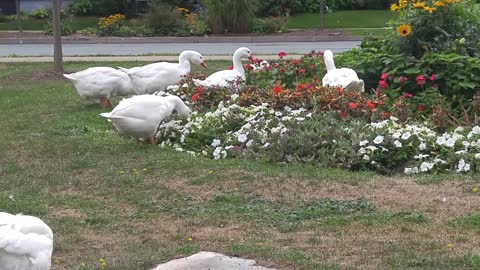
(283, 114)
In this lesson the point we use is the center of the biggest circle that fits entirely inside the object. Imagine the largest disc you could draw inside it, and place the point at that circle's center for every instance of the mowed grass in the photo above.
(342, 19)
(77, 23)
(138, 205)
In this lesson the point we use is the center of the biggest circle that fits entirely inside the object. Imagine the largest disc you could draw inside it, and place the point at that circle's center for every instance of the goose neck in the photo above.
(237, 63)
(184, 60)
(329, 63)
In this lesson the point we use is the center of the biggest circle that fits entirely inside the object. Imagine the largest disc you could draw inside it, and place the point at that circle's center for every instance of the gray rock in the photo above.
(210, 261)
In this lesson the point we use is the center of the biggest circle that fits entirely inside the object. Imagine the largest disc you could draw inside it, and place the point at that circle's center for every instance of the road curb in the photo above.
(135, 40)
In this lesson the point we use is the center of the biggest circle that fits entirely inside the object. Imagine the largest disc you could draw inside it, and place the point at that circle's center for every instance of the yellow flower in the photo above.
(439, 4)
(404, 30)
(449, 245)
(56, 261)
(403, 3)
(449, 1)
(210, 172)
(235, 189)
(121, 172)
(190, 239)
(144, 169)
(102, 262)
(394, 7)
(419, 5)
(429, 9)
(475, 189)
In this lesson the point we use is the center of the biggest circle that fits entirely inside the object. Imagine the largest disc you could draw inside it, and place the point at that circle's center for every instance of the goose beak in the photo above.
(204, 65)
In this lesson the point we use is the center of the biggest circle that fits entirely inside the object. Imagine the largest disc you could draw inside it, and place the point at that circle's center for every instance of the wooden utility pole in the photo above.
(57, 37)
(19, 18)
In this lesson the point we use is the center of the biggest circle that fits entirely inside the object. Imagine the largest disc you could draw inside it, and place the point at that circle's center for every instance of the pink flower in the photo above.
(301, 71)
(282, 69)
(282, 54)
(403, 79)
(422, 107)
(383, 84)
(230, 67)
(408, 95)
(200, 89)
(421, 80)
(343, 114)
(195, 97)
(320, 53)
(433, 77)
(384, 76)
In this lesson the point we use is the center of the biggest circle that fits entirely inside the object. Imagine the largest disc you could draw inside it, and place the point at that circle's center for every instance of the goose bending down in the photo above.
(158, 76)
(26, 243)
(344, 77)
(140, 116)
(224, 77)
(101, 83)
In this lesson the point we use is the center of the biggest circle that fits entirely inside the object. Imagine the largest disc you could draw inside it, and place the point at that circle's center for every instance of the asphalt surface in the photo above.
(7, 50)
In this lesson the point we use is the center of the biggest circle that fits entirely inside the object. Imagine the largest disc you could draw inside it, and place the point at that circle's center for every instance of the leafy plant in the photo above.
(230, 15)
(40, 13)
(165, 19)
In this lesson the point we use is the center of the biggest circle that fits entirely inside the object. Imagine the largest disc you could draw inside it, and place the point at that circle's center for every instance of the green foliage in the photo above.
(165, 19)
(40, 13)
(269, 25)
(230, 15)
(102, 7)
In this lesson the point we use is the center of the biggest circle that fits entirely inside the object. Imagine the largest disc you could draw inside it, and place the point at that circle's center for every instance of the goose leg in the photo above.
(110, 104)
(151, 139)
(103, 100)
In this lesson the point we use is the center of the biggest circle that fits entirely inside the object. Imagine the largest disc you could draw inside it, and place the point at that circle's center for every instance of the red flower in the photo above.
(320, 53)
(343, 114)
(268, 67)
(403, 79)
(230, 67)
(370, 104)
(422, 107)
(275, 65)
(384, 76)
(408, 95)
(383, 84)
(195, 97)
(385, 115)
(296, 62)
(421, 80)
(256, 61)
(352, 105)
(248, 66)
(301, 71)
(200, 89)
(433, 77)
(339, 89)
(313, 66)
(282, 69)
(299, 87)
(282, 54)
(277, 89)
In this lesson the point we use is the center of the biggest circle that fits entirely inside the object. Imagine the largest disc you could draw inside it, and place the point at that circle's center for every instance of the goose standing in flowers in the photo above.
(26, 243)
(101, 83)
(224, 77)
(140, 116)
(346, 78)
(158, 76)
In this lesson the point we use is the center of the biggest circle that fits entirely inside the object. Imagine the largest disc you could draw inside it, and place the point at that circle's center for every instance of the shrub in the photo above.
(40, 13)
(165, 19)
(230, 15)
(269, 25)
(102, 7)
(109, 25)
(197, 24)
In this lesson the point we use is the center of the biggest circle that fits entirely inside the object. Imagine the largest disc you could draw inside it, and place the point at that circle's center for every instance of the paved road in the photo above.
(172, 48)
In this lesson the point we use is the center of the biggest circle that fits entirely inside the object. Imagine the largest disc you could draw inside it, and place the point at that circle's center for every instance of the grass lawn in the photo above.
(138, 205)
(342, 19)
(78, 23)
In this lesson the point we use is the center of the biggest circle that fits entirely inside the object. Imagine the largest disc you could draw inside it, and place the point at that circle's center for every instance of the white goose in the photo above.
(158, 76)
(344, 77)
(26, 243)
(101, 83)
(140, 116)
(224, 77)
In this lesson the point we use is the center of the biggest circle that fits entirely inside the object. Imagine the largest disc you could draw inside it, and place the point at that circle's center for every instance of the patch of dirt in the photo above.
(442, 201)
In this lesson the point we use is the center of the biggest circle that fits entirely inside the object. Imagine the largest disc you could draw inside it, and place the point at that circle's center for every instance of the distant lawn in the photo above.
(342, 19)
(78, 23)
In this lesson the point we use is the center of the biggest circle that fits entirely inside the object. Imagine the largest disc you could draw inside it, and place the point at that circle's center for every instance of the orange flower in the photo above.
(339, 89)
(370, 104)
(277, 89)
(404, 30)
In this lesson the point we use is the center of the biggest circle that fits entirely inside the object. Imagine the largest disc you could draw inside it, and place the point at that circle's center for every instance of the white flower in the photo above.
(242, 138)
(477, 156)
(371, 148)
(458, 129)
(406, 135)
(393, 118)
(462, 166)
(426, 166)
(366, 157)
(422, 146)
(397, 144)
(228, 147)
(363, 143)
(216, 142)
(420, 156)
(204, 153)
(378, 139)
(408, 171)
(249, 143)
(288, 109)
(173, 88)
(450, 142)
(234, 97)
(441, 140)
(216, 153)
(224, 154)
(362, 151)
(266, 145)
(461, 152)
(278, 114)
(396, 135)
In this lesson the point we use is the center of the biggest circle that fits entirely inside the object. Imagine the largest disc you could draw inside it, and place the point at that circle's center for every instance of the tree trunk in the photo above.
(57, 37)
(19, 18)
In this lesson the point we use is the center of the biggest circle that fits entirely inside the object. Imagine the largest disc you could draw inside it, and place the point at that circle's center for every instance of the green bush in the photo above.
(102, 7)
(41, 13)
(165, 19)
(268, 25)
(230, 15)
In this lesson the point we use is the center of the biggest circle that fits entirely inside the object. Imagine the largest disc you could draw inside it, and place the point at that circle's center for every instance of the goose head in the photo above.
(192, 57)
(179, 106)
(242, 53)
